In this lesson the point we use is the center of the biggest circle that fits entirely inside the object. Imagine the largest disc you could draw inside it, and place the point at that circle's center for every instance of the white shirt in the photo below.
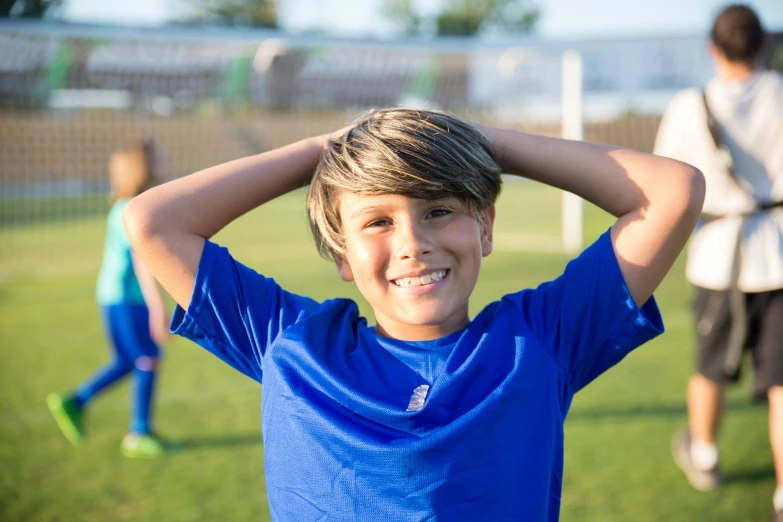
(750, 115)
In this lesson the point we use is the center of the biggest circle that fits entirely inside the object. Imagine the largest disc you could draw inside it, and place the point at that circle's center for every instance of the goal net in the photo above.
(68, 98)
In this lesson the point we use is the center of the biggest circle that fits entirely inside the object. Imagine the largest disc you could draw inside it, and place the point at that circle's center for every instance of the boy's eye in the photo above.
(378, 223)
(437, 212)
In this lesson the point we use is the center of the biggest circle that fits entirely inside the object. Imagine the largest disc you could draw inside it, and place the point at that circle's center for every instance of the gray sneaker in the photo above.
(701, 479)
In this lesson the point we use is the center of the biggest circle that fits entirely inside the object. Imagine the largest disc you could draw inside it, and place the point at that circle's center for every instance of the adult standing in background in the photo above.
(733, 132)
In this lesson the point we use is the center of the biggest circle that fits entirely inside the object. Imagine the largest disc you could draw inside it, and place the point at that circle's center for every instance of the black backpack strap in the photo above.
(723, 150)
(717, 138)
(736, 299)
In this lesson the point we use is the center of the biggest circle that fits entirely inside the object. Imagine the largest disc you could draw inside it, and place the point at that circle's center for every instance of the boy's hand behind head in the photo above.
(493, 135)
(325, 139)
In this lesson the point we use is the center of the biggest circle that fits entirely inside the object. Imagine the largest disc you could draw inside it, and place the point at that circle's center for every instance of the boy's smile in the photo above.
(425, 278)
(415, 261)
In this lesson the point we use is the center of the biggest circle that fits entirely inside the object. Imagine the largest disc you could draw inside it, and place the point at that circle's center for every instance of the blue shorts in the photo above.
(127, 328)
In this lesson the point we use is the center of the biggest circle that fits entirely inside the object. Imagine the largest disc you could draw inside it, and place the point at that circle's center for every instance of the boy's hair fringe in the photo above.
(738, 33)
(419, 154)
(131, 170)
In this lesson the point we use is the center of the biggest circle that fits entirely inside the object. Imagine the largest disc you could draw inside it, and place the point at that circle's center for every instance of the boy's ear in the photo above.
(715, 53)
(343, 268)
(487, 223)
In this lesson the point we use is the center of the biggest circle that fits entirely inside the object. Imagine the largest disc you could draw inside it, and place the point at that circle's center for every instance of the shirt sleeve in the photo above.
(235, 312)
(586, 318)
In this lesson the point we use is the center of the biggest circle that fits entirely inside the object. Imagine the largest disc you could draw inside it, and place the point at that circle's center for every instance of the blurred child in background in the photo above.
(133, 313)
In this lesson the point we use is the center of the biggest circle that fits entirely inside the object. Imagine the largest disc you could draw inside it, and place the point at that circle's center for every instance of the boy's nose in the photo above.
(411, 241)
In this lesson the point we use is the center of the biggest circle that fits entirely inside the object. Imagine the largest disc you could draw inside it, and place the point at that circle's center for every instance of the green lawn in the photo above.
(617, 435)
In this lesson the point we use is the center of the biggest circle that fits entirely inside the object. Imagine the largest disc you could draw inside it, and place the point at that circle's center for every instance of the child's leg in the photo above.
(115, 370)
(705, 409)
(144, 376)
(706, 388)
(695, 451)
(142, 350)
(67, 407)
(775, 396)
(768, 373)
(141, 441)
(102, 379)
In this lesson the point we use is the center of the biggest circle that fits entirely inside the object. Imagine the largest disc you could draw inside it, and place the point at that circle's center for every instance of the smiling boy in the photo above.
(427, 415)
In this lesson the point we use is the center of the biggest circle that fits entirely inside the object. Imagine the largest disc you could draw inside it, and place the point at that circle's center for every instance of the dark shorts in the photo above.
(764, 337)
(127, 328)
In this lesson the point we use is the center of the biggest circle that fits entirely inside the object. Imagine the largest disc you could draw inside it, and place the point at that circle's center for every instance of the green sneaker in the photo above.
(135, 446)
(68, 416)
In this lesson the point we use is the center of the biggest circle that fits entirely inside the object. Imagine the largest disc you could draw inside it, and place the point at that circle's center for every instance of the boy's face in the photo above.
(415, 261)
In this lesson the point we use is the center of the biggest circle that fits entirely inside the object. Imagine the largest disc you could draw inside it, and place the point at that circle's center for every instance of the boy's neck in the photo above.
(406, 332)
(735, 71)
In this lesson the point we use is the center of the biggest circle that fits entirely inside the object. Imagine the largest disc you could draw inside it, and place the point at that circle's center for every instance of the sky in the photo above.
(560, 19)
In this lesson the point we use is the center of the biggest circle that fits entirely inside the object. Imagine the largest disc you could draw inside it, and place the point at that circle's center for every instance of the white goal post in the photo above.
(573, 129)
(544, 88)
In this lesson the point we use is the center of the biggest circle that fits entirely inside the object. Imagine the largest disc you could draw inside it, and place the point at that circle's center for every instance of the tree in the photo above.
(28, 8)
(467, 17)
(245, 13)
(402, 12)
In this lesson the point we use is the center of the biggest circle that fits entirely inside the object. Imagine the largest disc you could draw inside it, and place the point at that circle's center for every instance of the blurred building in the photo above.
(71, 94)
(171, 68)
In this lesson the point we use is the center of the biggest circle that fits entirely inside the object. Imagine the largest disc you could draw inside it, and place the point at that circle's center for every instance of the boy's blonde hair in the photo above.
(131, 170)
(414, 153)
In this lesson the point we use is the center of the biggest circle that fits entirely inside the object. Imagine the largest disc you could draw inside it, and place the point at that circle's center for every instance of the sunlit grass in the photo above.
(617, 436)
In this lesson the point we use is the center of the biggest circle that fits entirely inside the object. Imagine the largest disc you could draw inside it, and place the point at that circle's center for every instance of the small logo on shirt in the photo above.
(417, 399)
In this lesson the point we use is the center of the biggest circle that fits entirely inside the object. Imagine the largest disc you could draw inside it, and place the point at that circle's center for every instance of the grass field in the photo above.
(617, 435)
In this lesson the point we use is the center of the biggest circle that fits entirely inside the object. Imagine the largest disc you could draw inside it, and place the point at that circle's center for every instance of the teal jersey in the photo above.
(117, 282)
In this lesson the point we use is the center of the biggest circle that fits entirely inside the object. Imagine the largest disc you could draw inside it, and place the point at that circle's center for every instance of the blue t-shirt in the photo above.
(466, 427)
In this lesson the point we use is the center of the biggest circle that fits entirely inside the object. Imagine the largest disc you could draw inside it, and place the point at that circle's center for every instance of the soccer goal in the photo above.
(573, 129)
(536, 90)
(80, 94)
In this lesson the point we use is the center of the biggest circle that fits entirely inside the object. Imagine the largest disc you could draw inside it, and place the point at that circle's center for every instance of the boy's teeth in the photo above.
(423, 280)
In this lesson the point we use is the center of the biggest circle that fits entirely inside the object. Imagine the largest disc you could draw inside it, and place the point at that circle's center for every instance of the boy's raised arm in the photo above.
(657, 201)
(167, 225)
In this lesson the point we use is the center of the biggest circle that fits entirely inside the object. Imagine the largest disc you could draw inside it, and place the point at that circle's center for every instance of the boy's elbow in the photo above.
(692, 191)
(137, 222)
(697, 189)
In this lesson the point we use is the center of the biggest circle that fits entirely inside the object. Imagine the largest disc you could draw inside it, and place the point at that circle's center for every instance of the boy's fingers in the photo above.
(342, 132)
(324, 139)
